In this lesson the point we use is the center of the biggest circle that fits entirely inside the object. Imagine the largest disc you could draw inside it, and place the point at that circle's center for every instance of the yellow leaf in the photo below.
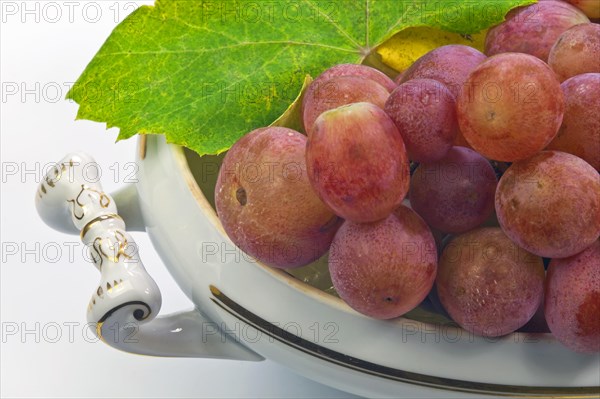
(405, 47)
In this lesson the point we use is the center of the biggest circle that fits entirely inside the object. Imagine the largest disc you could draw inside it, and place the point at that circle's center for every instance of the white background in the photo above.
(46, 351)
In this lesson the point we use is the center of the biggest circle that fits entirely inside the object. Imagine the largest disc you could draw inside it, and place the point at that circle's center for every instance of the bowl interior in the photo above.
(315, 276)
(205, 171)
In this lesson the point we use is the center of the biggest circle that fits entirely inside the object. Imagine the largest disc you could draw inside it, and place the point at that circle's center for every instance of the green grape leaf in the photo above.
(204, 73)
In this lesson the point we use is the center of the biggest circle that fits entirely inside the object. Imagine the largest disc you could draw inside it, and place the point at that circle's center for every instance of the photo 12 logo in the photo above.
(57, 92)
(268, 12)
(50, 332)
(92, 172)
(54, 12)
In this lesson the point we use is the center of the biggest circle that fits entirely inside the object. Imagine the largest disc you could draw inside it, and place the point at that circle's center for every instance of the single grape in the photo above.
(357, 162)
(511, 107)
(384, 269)
(266, 203)
(576, 51)
(424, 112)
(456, 193)
(487, 284)
(328, 93)
(533, 29)
(550, 204)
(572, 305)
(579, 133)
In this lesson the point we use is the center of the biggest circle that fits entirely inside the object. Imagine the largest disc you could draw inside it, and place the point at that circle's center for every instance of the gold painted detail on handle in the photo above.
(122, 241)
(103, 200)
(58, 172)
(52, 180)
(120, 246)
(109, 288)
(97, 248)
(100, 218)
(138, 315)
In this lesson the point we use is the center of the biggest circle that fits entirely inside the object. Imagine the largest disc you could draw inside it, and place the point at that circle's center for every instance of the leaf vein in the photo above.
(397, 23)
(204, 29)
(241, 44)
(333, 23)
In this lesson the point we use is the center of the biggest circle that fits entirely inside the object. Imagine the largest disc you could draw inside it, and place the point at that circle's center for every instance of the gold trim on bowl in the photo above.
(142, 145)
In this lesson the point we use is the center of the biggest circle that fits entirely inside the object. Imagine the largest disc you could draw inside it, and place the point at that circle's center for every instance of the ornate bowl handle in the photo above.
(124, 305)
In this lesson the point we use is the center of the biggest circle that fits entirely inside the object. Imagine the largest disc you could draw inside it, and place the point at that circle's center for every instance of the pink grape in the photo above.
(357, 162)
(550, 204)
(384, 269)
(266, 204)
(424, 112)
(456, 193)
(511, 107)
(489, 285)
(576, 51)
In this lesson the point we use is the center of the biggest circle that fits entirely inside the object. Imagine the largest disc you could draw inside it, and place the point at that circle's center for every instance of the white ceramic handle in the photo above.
(124, 305)
(69, 200)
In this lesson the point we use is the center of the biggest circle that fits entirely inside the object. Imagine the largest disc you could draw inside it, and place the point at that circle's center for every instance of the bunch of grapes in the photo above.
(454, 180)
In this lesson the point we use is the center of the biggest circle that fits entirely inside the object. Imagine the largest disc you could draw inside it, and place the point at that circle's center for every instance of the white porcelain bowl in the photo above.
(246, 310)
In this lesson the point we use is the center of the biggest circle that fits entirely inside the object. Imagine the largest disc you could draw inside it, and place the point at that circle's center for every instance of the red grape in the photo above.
(266, 204)
(511, 107)
(424, 112)
(550, 204)
(576, 51)
(487, 284)
(456, 193)
(357, 162)
(384, 269)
